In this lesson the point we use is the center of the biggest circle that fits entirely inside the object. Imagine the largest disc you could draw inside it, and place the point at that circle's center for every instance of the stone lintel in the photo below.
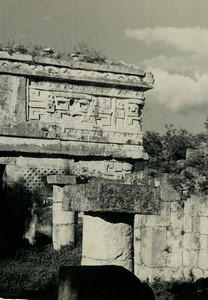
(7, 160)
(69, 148)
(61, 179)
(103, 195)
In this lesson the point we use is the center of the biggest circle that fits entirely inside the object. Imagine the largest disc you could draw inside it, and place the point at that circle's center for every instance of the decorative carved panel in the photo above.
(82, 114)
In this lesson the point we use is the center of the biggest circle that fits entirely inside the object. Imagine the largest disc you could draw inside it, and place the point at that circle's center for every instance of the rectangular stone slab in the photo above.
(103, 195)
(61, 180)
(70, 148)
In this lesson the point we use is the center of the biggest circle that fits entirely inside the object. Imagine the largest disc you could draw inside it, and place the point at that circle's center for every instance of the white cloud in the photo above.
(180, 93)
(188, 64)
(188, 39)
(181, 82)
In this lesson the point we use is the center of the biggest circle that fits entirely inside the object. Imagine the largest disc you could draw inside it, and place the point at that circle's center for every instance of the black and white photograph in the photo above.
(103, 150)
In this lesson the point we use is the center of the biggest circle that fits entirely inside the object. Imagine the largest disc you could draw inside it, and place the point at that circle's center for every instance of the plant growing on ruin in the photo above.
(88, 54)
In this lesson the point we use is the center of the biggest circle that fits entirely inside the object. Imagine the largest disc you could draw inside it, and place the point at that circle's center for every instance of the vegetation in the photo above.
(178, 290)
(165, 150)
(81, 52)
(167, 154)
(30, 271)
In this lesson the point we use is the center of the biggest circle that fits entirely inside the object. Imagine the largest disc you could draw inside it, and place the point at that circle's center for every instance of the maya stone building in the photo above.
(70, 135)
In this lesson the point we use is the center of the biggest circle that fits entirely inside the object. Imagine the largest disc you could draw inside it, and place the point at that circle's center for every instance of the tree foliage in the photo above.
(167, 154)
(166, 149)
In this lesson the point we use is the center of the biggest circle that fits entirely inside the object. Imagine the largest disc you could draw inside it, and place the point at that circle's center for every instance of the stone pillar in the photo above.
(63, 221)
(108, 240)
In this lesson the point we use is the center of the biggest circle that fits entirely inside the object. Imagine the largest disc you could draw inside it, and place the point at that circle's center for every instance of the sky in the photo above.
(167, 37)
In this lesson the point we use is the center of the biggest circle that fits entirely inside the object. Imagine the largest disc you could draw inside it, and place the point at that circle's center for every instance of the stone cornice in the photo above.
(105, 74)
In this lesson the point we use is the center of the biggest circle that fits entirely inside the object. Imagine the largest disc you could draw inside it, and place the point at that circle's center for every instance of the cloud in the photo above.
(187, 39)
(180, 93)
(181, 82)
(189, 64)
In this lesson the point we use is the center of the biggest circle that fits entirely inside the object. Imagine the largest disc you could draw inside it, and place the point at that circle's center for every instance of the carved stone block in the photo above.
(102, 195)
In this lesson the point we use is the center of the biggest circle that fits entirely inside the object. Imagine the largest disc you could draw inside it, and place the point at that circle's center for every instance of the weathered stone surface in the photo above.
(197, 273)
(177, 219)
(184, 253)
(7, 160)
(106, 169)
(203, 240)
(174, 259)
(60, 147)
(108, 240)
(190, 205)
(112, 196)
(174, 240)
(175, 206)
(203, 207)
(161, 219)
(61, 179)
(63, 221)
(79, 71)
(187, 241)
(203, 225)
(153, 245)
(190, 258)
(187, 223)
(142, 272)
(71, 105)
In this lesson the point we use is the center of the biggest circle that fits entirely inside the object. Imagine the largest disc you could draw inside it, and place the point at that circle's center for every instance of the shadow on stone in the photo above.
(101, 283)
(16, 206)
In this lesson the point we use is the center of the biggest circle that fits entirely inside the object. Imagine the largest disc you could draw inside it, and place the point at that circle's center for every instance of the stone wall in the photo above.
(174, 244)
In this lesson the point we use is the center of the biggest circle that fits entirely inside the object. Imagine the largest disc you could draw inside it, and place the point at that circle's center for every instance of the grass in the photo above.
(178, 290)
(34, 270)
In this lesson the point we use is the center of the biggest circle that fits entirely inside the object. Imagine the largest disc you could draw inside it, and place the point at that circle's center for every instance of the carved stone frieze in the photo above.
(84, 116)
(71, 108)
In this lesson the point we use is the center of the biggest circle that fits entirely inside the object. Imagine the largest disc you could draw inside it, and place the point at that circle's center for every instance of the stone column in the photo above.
(108, 240)
(63, 221)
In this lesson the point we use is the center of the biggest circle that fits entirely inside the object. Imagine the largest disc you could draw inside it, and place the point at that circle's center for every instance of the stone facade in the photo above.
(70, 134)
(57, 107)
(173, 245)
(63, 120)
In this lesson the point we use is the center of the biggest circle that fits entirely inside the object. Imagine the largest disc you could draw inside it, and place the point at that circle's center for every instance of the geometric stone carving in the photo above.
(84, 116)
(75, 108)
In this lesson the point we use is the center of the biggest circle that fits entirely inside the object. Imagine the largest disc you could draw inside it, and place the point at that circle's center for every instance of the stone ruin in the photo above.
(70, 135)
(75, 128)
